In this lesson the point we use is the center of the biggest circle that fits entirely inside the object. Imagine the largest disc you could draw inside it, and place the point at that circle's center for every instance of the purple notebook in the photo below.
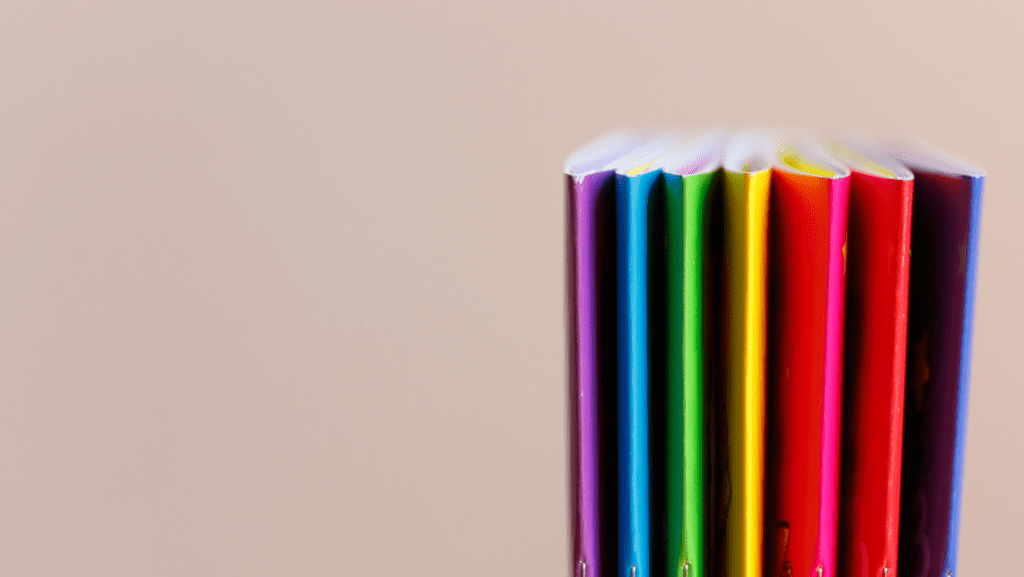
(590, 211)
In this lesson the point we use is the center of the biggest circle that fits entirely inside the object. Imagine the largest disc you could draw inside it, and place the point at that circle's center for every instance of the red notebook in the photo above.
(807, 241)
(878, 273)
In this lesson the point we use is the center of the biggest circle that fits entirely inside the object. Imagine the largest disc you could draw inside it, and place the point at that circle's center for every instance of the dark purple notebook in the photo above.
(943, 266)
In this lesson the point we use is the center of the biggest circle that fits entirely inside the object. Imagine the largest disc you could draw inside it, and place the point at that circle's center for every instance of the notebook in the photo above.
(637, 178)
(878, 273)
(807, 249)
(590, 196)
(739, 491)
(943, 270)
(683, 215)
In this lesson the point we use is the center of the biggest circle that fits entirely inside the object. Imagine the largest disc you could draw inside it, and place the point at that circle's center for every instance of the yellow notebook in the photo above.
(747, 182)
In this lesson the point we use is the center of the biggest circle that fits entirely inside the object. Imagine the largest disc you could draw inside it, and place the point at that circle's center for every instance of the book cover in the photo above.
(809, 201)
(637, 179)
(739, 506)
(685, 216)
(878, 273)
(943, 271)
(590, 198)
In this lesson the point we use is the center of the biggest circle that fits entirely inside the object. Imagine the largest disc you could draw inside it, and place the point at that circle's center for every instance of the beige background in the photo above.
(281, 285)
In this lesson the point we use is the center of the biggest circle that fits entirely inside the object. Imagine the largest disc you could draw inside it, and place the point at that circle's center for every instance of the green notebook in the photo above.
(685, 220)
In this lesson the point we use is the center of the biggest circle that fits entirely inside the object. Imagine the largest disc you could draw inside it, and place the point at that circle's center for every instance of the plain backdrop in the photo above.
(281, 285)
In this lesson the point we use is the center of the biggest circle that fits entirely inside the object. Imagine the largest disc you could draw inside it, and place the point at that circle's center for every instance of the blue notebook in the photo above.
(636, 179)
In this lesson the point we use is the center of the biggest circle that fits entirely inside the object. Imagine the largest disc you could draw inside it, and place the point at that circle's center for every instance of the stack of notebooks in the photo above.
(770, 341)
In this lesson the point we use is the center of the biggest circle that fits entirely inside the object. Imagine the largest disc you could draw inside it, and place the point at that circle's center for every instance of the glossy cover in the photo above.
(943, 267)
(633, 193)
(590, 190)
(809, 201)
(745, 207)
(878, 273)
(678, 312)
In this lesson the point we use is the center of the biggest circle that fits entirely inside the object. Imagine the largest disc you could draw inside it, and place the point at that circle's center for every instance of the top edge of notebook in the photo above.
(697, 155)
(598, 153)
(919, 154)
(862, 153)
(801, 153)
(646, 157)
(749, 151)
